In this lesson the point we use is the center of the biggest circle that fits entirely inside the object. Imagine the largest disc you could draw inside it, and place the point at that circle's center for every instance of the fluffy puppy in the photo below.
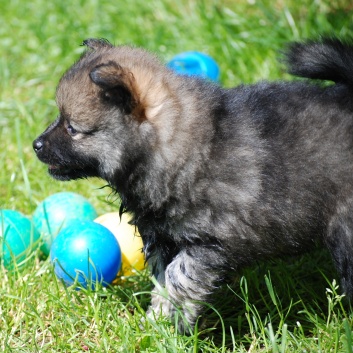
(215, 178)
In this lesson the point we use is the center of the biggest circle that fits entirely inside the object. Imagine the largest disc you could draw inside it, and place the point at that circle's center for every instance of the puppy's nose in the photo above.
(37, 145)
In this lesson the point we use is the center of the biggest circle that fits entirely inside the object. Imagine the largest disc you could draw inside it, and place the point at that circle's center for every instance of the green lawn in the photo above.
(284, 306)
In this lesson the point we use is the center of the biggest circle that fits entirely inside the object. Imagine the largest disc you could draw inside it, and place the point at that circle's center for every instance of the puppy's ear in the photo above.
(117, 85)
(94, 43)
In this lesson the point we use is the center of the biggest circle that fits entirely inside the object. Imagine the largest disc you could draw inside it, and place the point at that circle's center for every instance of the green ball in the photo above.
(18, 237)
(56, 212)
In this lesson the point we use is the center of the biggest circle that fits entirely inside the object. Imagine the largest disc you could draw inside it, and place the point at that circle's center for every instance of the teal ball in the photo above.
(86, 252)
(56, 212)
(18, 237)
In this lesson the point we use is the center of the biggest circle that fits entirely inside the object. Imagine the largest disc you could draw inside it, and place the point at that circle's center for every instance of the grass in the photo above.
(285, 306)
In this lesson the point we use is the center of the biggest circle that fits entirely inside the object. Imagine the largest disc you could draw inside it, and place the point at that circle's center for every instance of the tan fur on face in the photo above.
(153, 87)
(139, 70)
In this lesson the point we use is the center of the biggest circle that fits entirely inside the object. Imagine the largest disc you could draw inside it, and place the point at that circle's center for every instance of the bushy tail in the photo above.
(328, 59)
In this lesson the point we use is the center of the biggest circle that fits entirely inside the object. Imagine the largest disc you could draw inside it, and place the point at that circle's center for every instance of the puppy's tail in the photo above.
(328, 59)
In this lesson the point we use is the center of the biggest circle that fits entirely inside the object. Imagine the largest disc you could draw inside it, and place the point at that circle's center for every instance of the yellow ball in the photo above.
(129, 240)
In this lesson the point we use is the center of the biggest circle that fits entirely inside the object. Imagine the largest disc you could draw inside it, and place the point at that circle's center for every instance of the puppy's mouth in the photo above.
(64, 172)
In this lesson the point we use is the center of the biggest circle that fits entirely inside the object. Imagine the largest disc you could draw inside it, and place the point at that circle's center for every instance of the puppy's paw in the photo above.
(163, 308)
(160, 306)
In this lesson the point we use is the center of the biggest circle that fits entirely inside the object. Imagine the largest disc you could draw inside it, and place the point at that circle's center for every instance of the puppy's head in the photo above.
(110, 102)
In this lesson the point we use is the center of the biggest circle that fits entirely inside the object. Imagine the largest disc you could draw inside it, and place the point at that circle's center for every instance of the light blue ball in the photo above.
(87, 252)
(56, 212)
(194, 63)
(18, 237)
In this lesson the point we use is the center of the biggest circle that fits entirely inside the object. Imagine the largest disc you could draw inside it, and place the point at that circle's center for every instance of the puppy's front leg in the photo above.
(190, 279)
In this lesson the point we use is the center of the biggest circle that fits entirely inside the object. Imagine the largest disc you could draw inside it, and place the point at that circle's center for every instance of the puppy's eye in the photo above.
(71, 130)
(107, 96)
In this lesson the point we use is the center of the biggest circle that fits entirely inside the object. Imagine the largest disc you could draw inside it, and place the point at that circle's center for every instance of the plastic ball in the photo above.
(86, 252)
(18, 237)
(129, 240)
(194, 63)
(56, 212)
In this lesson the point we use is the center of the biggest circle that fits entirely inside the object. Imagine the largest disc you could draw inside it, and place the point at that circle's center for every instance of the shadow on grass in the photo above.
(285, 292)
(288, 293)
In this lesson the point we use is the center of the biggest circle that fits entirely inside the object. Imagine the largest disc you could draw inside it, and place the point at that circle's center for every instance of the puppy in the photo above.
(215, 178)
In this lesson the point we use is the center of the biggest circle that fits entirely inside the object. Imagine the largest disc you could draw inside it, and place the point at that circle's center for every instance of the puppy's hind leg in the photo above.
(340, 243)
(190, 279)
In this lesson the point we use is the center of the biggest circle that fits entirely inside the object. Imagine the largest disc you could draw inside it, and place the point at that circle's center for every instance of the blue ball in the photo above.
(87, 252)
(18, 237)
(56, 212)
(194, 63)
